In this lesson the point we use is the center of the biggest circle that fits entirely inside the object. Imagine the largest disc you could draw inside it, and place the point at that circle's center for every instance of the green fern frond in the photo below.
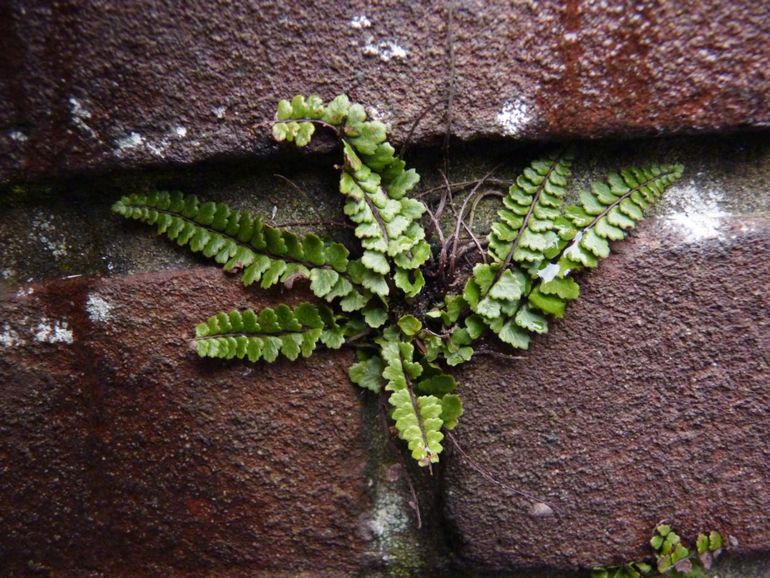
(607, 211)
(632, 570)
(672, 557)
(514, 301)
(417, 417)
(525, 228)
(265, 335)
(238, 240)
(525, 232)
(375, 183)
(435, 382)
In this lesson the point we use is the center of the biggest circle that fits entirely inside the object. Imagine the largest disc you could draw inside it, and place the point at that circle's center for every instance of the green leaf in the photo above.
(290, 345)
(564, 287)
(595, 244)
(484, 276)
(370, 134)
(367, 373)
(375, 316)
(437, 385)
(510, 286)
(271, 346)
(702, 544)
(455, 305)
(410, 287)
(375, 283)
(459, 356)
(550, 304)
(336, 110)
(322, 281)
(313, 249)
(405, 182)
(304, 133)
(513, 335)
(475, 326)
(679, 553)
(451, 410)
(337, 257)
(528, 319)
(376, 262)
(353, 301)
(333, 338)
(308, 315)
(664, 564)
(409, 325)
(715, 541)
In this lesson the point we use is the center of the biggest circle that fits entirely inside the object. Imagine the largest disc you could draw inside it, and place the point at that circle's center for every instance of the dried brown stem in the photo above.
(485, 474)
(461, 220)
(459, 186)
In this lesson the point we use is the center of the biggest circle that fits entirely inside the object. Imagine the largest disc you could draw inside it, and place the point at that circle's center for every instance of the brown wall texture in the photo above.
(98, 84)
(123, 454)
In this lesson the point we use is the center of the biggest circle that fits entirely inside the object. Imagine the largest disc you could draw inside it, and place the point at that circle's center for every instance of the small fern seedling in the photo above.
(536, 247)
(672, 558)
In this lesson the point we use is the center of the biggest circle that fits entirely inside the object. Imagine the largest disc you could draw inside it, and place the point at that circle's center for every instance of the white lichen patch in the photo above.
(79, 116)
(156, 147)
(219, 112)
(694, 212)
(389, 521)
(24, 292)
(129, 142)
(386, 50)
(516, 116)
(8, 337)
(98, 308)
(18, 136)
(44, 231)
(158, 150)
(56, 331)
(359, 22)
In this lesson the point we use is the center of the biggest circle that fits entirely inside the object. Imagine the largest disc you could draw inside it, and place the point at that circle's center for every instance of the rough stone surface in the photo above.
(122, 453)
(94, 85)
(648, 402)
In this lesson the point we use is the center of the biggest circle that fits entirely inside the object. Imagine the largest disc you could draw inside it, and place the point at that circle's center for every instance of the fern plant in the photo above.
(672, 558)
(536, 248)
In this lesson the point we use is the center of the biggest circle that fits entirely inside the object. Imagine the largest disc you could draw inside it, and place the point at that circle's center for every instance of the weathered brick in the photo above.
(648, 402)
(100, 477)
(125, 454)
(88, 85)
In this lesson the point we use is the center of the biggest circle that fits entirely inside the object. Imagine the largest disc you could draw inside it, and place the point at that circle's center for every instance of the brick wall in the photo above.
(125, 455)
